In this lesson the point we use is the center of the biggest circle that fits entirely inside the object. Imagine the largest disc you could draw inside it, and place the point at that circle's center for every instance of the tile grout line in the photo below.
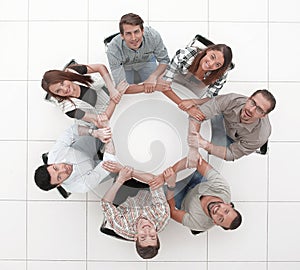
(268, 158)
(27, 142)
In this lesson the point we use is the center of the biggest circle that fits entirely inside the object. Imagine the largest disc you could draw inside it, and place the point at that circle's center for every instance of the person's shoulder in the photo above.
(232, 97)
(151, 33)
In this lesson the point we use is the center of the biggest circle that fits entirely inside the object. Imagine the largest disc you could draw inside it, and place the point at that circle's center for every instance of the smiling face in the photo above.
(133, 36)
(221, 213)
(146, 233)
(255, 108)
(59, 172)
(213, 60)
(64, 89)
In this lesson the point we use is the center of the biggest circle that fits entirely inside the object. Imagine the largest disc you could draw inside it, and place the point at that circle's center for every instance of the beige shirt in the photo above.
(195, 217)
(247, 137)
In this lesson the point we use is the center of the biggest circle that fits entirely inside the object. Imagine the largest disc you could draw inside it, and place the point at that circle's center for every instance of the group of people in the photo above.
(138, 205)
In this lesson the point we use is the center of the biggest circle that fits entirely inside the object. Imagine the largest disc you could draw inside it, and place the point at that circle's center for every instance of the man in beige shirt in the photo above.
(246, 122)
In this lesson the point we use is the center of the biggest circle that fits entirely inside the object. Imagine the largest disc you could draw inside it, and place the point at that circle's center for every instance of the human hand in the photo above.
(102, 120)
(157, 182)
(196, 113)
(162, 85)
(193, 158)
(186, 104)
(122, 86)
(112, 166)
(124, 174)
(116, 97)
(195, 140)
(103, 134)
(170, 177)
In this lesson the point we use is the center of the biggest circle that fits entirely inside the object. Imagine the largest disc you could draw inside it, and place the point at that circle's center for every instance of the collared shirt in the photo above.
(247, 137)
(119, 55)
(195, 218)
(149, 205)
(182, 60)
(79, 151)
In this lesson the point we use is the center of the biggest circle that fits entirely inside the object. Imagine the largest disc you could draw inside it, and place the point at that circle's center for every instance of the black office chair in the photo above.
(111, 232)
(108, 39)
(206, 42)
(60, 189)
(263, 149)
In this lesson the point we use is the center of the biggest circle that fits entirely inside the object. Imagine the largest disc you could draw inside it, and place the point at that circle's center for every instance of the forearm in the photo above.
(102, 70)
(110, 147)
(216, 150)
(194, 127)
(89, 117)
(111, 193)
(83, 131)
(176, 214)
(201, 101)
(171, 95)
(142, 176)
(135, 89)
(110, 109)
(159, 70)
(180, 165)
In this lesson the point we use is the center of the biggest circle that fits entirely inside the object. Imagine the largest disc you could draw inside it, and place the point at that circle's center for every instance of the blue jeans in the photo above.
(219, 136)
(185, 185)
(139, 72)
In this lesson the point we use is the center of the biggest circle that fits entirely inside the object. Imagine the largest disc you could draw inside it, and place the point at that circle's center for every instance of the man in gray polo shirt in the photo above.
(246, 121)
(134, 52)
(203, 201)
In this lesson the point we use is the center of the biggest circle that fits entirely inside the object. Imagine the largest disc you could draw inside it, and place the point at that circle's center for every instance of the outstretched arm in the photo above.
(115, 95)
(151, 81)
(124, 175)
(195, 141)
(170, 178)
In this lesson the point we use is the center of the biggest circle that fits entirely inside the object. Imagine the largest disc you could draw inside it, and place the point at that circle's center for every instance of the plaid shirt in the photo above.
(182, 61)
(150, 205)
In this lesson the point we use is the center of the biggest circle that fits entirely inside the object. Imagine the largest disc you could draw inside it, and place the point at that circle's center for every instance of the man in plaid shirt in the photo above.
(139, 218)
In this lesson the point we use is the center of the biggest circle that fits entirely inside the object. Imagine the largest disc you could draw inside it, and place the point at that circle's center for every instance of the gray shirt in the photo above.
(195, 217)
(81, 152)
(247, 137)
(119, 55)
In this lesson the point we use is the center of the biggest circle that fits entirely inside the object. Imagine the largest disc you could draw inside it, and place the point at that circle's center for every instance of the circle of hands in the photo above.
(168, 176)
(152, 84)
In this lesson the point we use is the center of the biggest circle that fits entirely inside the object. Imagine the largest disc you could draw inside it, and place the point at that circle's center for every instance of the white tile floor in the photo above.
(43, 231)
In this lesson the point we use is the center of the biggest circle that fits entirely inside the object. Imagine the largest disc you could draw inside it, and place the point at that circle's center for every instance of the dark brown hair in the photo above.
(268, 96)
(57, 76)
(131, 19)
(147, 252)
(215, 74)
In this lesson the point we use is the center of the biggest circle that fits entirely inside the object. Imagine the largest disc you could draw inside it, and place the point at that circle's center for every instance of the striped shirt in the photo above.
(180, 63)
(149, 205)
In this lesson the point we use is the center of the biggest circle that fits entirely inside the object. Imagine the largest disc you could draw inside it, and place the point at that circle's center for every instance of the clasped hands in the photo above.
(103, 133)
(168, 176)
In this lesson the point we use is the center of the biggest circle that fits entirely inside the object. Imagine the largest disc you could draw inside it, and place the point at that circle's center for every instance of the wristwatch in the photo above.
(91, 131)
(171, 188)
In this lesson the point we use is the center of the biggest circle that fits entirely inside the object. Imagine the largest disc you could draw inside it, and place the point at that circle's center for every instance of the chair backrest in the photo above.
(108, 39)
(110, 232)
(202, 42)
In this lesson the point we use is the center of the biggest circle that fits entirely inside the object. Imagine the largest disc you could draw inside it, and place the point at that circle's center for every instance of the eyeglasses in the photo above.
(258, 109)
